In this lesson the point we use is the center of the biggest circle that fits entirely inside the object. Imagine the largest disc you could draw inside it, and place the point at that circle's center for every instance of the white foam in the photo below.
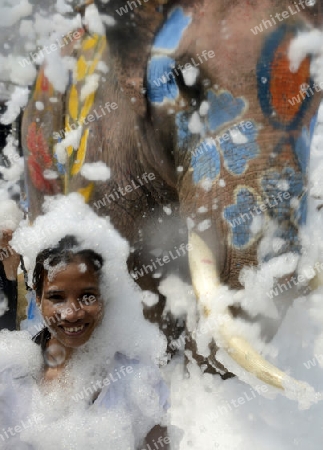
(98, 171)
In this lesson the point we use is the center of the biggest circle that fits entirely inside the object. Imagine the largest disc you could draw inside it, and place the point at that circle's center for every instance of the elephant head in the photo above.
(200, 97)
(222, 97)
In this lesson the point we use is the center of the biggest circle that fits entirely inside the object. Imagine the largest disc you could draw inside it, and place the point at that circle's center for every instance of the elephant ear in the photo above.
(54, 136)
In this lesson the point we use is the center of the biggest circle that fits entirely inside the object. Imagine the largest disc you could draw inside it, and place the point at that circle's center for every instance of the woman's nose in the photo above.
(72, 311)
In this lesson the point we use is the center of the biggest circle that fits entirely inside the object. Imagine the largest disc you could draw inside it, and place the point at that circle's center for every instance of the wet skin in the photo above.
(11, 262)
(71, 305)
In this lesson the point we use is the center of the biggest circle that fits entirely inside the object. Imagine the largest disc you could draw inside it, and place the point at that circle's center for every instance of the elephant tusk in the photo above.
(206, 283)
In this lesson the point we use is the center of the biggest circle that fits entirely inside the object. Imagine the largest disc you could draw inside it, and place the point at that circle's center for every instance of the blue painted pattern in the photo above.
(223, 108)
(302, 149)
(161, 83)
(281, 209)
(237, 155)
(206, 161)
(313, 125)
(291, 242)
(240, 218)
(171, 33)
(184, 135)
(300, 214)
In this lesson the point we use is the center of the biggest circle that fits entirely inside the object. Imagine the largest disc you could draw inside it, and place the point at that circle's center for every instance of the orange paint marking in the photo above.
(44, 83)
(284, 87)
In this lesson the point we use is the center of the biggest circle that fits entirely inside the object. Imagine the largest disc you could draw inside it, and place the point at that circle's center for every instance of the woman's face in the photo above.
(71, 303)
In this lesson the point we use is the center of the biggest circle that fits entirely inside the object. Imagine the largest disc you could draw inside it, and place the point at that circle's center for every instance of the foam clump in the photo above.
(19, 353)
(11, 215)
(98, 171)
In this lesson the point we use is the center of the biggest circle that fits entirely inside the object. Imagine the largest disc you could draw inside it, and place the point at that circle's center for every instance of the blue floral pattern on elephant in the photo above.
(170, 36)
(239, 148)
(206, 161)
(302, 149)
(223, 108)
(288, 242)
(280, 207)
(240, 217)
(184, 136)
(161, 82)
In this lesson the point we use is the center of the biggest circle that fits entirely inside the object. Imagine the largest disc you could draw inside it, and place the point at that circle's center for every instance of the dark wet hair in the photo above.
(65, 251)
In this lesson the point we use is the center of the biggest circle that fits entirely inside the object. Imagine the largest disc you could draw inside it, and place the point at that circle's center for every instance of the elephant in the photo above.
(189, 103)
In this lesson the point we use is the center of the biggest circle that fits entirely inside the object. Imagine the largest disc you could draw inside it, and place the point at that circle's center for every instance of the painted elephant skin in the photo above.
(197, 99)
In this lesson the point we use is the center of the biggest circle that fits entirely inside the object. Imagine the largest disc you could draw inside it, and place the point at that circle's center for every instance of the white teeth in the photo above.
(74, 329)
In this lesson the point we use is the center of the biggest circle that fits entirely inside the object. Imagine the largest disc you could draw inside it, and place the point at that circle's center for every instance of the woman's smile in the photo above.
(74, 331)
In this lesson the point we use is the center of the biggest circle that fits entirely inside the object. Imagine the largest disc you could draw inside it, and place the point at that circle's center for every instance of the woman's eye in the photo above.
(55, 298)
(88, 299)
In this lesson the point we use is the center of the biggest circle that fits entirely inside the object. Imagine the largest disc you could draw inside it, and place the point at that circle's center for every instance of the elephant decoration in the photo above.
(190, 105)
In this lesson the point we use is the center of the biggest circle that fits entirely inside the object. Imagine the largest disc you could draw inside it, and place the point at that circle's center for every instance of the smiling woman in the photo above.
(66, 282)
(93, 367)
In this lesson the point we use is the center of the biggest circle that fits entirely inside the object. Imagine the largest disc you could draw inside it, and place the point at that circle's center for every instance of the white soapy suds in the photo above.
(202, 209)
(167, 210)
(308, 43)
(92, 20)
(304, 44)
(190, 223)
(17, 70)
(63, 7)
(149, 299)
(3, 303)
(204, 108)
(190, 75)
(57, 70)
(50, 174)
(294, 202)
(39, 106)
(72, 138)
(102, 67)
(52, 271)
(179, 296)
(204, 225)
(10, 216)
(237, 137)
(17, 101)
(13, 172)
(256, 224)
(283, 185)
(97, 171)
(195, 125)
(82, 267)
(12, 14)
(316, 186)
(206, 184)
(108, 20)
(278, 244)
(90, 86)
